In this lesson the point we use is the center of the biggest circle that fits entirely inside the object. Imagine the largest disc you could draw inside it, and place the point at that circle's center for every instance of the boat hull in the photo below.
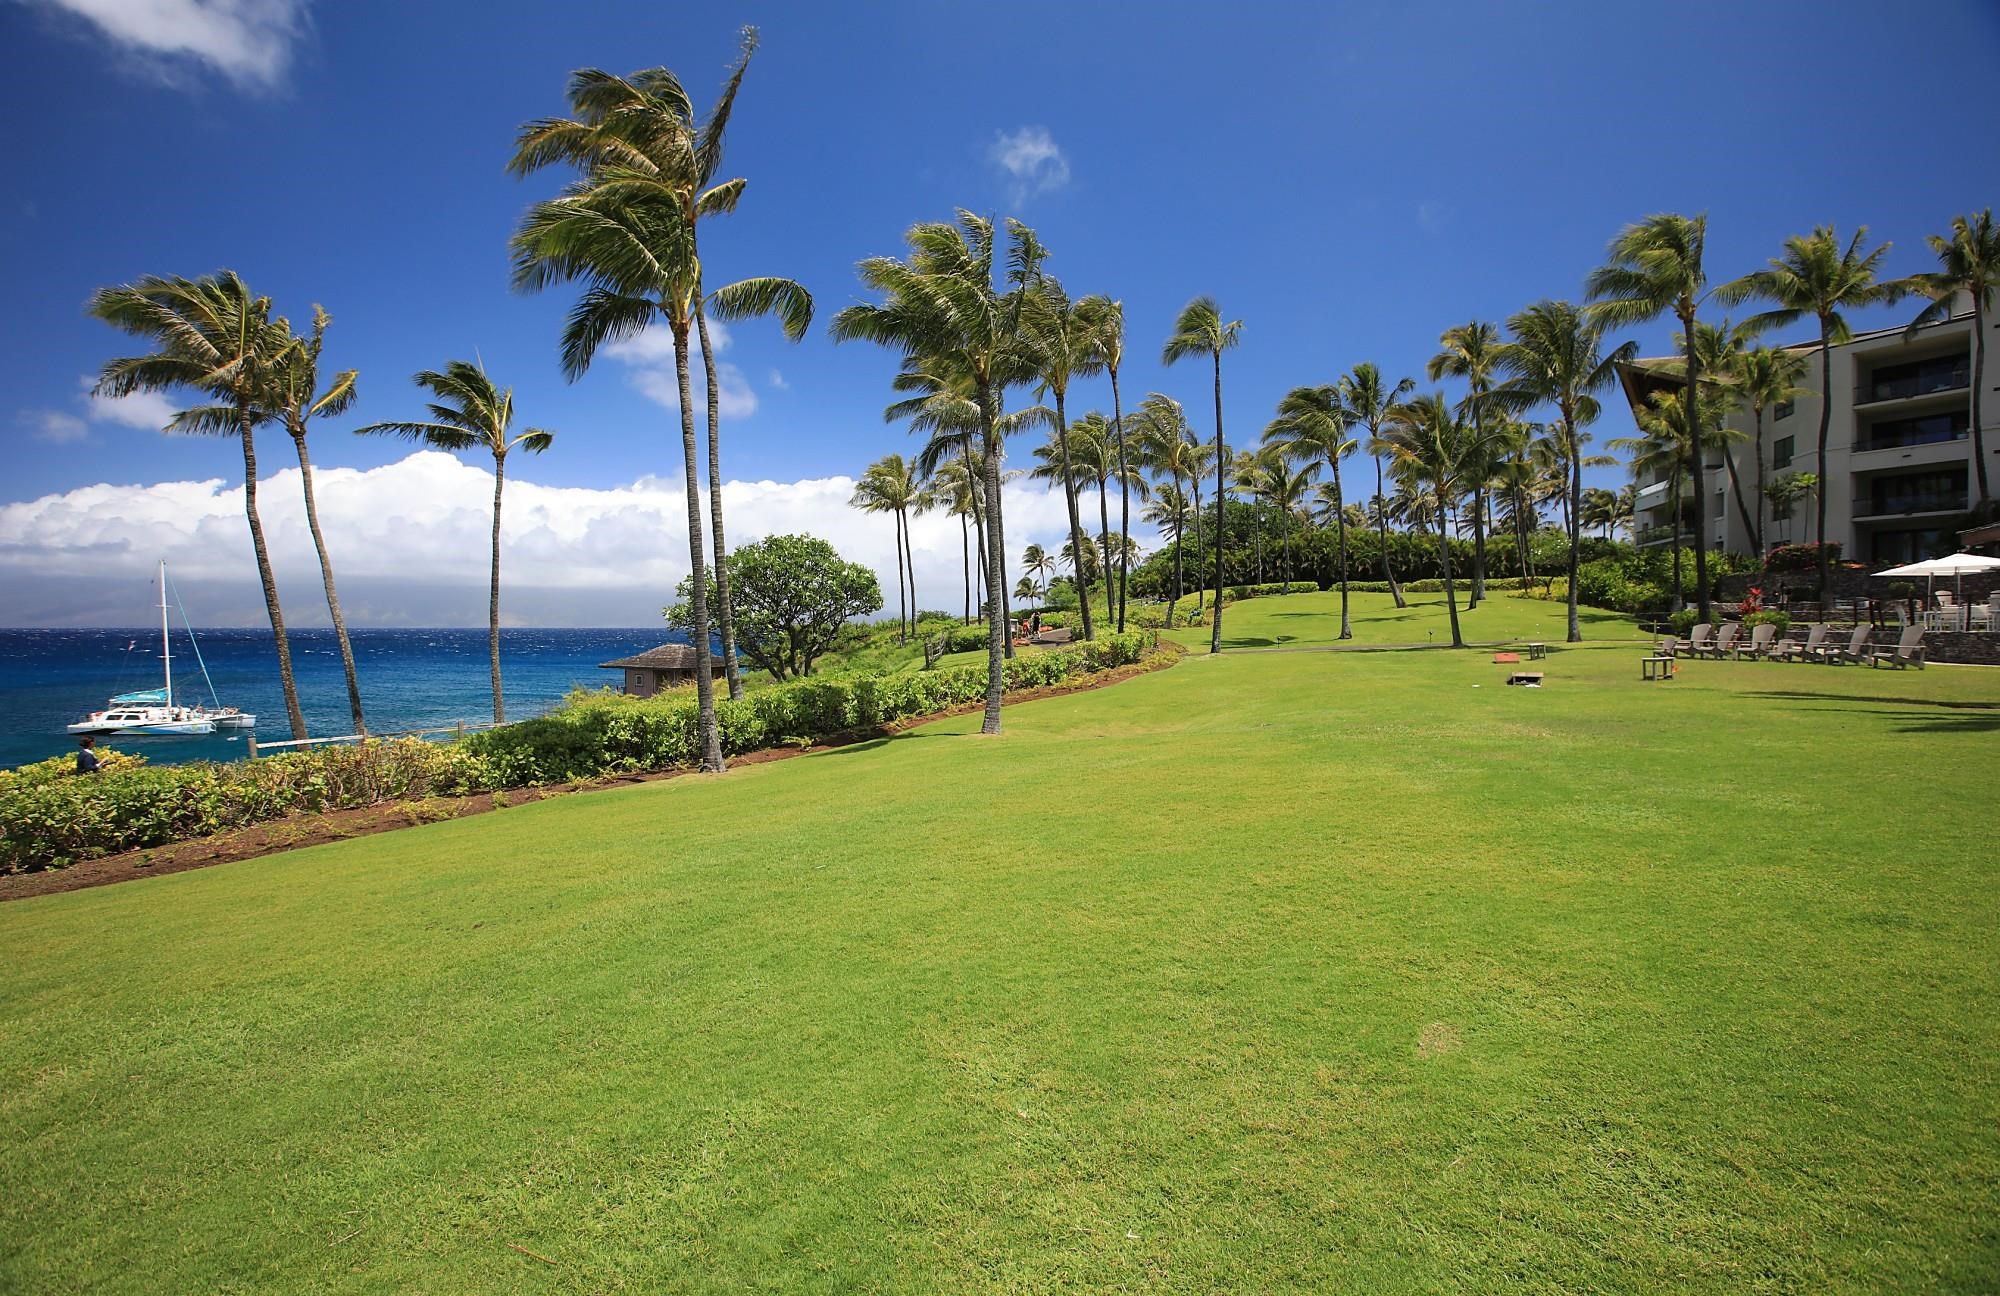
(156, 729)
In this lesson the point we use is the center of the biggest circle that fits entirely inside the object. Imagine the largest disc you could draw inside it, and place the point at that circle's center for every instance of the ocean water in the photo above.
(410, 679)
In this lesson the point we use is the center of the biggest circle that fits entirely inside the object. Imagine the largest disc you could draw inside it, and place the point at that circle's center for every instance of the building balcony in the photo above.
(1882, 391)
(1898, 506)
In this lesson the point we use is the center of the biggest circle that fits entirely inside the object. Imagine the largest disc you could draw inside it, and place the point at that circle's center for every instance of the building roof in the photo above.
(673, 657)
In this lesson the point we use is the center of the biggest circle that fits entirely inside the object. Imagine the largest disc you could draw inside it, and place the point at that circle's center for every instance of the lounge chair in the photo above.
(1696, 641)
(1908, 651)
(1760, 641)
(1795, 650)
(1725, 640)
(1854, 650)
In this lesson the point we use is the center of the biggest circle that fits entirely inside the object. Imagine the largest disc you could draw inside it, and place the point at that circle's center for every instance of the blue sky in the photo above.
(1348, 180)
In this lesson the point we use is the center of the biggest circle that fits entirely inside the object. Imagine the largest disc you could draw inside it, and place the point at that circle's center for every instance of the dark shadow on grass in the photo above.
(1940, 715)
(1949, 704)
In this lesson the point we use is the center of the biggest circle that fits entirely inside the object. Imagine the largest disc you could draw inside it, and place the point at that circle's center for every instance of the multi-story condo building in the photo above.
(1898, 471)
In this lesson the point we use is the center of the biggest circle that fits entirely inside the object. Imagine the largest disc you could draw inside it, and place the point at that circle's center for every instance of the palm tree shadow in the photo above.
(1939, 715)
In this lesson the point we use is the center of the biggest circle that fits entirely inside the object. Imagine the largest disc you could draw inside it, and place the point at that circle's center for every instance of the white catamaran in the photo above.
(152, 712)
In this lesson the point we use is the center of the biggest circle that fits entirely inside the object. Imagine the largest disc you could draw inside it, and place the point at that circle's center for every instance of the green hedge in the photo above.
(50, 817)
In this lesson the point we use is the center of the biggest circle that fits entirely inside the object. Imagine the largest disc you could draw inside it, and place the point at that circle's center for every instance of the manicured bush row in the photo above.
(50, 817)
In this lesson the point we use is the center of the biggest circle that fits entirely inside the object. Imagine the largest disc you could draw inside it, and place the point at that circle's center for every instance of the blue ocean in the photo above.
(410, 679)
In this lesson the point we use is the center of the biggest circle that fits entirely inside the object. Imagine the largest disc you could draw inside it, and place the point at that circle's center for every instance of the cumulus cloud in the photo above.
(54, 426)
(649, 361)
(571, 555)
(148, 411)
(1031, 157)
(777, 380)
(248, 41)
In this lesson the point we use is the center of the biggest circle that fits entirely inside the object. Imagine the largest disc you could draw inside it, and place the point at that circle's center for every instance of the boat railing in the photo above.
(254, 749)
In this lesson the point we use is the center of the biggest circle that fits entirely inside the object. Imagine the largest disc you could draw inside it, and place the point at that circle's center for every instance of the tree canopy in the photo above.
(793, 594)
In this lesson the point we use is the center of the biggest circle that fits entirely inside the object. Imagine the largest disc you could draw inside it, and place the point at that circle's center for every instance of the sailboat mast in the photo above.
(166, 644)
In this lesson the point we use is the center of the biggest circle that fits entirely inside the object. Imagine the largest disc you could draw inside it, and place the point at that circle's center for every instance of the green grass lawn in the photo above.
(1308, 972)
(1313, 620)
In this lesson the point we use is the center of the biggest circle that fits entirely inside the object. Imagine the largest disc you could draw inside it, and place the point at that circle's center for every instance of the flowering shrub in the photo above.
(1800, 557)
(1753, 601)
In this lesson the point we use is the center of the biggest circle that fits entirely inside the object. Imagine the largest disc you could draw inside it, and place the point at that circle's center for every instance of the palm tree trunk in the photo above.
(1444, 561)
(997, 637)
(493, 594)
(1679, 599)
(1340, 528)
(1180, 533)
(1575, 511)
(902, 613)
(245, 434)
(1736, 489)
(1104, 535)
(1478, 546)
(1979, 377)
(910, 565)
(1200, 591)
(1758, 529)
(1221, 517)
(1382, 531)
(326, 578)
(1075, 517)
(1124, 500)
(725, 610)
(965, 561)
(708, 736)
(1825, 419)
(1697, 453)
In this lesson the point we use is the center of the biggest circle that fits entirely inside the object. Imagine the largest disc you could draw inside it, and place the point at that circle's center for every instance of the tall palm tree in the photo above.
(1312, 424)
(1817, 276)
(890, 485)
(1285, 485)
(212, 336)
(1654, 268)
(1370, 399)
(1096, 458)
(954, 485)
(1065, 338)
(1969, 263)
(941, 304)
(1109, 318)
(1766, 377)
(1200, 330)
(1433, 443)
(1470, 351)
(1039, 566)
(468, 411)
(1169, 511)
(299, 400)
(1171, 448)
(1515, 477)
(1556, 356)
(635, 139)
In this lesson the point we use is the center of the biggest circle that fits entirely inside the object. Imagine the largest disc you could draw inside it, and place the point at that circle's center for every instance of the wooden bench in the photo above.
(1656, 668)
(1537, 651)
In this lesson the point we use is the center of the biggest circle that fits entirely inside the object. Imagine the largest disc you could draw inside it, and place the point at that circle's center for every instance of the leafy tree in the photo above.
(1200, 330)
(1817, 276)
(469, 411)
(298, 400)
(793, 596)
(212, 336)
(1969, 263)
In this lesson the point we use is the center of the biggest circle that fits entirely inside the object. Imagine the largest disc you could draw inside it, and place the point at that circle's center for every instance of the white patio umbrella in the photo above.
(1953, 565)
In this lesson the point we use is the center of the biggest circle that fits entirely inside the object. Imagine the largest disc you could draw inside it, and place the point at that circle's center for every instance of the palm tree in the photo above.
(635, 140)
(1312, 425)
(1286, 485)
(1765, 377)
(1097, 459)
(1169, 511)
(1469, 351)
(215, 337)
(1109, 336)
(1065, 339)
(954, 484)
(1433, 444)
(1200, 330)
(298, 399)
(890, 485)
(469, 411)
(1968, 262)
(1556, 357)
(1816, 276)
(1654, 268)
(1515, 477)
(1599, 508)
(1370, 401)
(1624, 508)
(1039, 567)
(1171, 448)
(941, 304)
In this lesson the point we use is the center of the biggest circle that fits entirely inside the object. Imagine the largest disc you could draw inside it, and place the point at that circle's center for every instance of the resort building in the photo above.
(1898, 475)
(668, 666)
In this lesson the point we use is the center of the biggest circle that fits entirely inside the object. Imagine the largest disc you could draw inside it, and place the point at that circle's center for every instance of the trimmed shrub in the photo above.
(1770, 616)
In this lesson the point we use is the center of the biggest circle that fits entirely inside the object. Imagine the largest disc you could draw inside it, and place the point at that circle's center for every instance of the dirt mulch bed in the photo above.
(295, 831)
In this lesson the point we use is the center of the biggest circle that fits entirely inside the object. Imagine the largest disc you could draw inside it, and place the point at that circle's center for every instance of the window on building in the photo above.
(1915, 378)
(1923, 429)
(1783, 409)
(1781, 452)
(1904, 546)
(1936, 491)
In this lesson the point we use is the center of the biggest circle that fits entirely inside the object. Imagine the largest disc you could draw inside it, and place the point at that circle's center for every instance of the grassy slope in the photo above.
(1305, 971)
(1312, 620)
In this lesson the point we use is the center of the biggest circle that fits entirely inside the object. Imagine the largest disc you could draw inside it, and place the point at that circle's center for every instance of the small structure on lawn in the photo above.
(668, 666)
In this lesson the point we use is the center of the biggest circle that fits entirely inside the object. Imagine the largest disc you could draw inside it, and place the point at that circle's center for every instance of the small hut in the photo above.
(665, 667)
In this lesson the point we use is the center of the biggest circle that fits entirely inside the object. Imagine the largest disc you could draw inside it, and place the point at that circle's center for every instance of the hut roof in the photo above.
(672, 657)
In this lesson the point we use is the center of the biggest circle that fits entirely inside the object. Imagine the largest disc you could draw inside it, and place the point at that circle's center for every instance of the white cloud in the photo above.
(777, 380)
(54, 426)
(149, 411)
(1031, 157)
(248, 41)
(649, 358)
(572, 555)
